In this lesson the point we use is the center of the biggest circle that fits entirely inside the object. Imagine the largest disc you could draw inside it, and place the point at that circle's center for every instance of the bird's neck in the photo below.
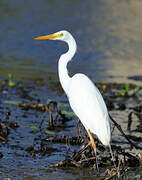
(62, 65)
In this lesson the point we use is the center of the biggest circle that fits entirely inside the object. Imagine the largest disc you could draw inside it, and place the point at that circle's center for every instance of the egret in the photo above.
(84, 97)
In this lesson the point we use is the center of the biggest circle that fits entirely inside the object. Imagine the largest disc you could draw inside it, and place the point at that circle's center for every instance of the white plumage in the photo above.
(84, 97)
(89, 106)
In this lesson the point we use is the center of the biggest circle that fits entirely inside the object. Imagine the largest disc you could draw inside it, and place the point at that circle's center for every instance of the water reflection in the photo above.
(108, 35)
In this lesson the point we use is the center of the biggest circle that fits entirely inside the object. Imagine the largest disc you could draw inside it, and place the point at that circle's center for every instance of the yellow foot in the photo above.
(92, 141)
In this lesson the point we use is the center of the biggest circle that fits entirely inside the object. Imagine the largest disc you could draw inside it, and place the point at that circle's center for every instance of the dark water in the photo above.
(108, 35)
(17, 162)
(109, 39)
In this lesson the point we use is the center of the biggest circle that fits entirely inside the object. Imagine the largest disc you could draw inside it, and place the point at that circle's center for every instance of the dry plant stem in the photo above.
(81, 151)
(85, 147)
(124, 135)
(112, 155)
(50, 119)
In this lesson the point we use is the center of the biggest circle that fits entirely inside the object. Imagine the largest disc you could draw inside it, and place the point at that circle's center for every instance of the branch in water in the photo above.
(124, 135)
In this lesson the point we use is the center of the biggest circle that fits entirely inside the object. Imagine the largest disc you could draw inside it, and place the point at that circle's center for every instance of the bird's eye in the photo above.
(61, 34)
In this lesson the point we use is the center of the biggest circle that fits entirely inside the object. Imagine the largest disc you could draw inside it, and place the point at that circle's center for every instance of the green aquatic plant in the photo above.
(34, 129)
(12, 102)
(49, 132)
(127, 90)
(11, 83)
(70, 113)
(20, 85)
(137, 89)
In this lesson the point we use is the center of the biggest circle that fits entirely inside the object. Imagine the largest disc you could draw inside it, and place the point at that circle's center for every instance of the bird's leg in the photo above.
(92, 141)
(94, 147)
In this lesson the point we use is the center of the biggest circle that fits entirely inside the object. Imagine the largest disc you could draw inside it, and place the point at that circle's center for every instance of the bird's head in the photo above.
(61, 35)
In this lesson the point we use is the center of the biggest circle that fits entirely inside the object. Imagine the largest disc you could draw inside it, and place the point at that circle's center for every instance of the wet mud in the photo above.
(39, 134)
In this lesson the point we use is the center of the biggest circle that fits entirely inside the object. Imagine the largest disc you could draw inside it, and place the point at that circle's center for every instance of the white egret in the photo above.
(84, 97)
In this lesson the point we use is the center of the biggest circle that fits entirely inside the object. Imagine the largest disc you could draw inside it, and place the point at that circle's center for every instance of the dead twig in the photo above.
(123, 134)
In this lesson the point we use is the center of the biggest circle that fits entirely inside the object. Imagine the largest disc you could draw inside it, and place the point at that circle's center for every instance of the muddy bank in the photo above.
(41, 137)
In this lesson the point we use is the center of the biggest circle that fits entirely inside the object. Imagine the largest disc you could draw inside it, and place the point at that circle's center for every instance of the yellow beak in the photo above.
(51, 36)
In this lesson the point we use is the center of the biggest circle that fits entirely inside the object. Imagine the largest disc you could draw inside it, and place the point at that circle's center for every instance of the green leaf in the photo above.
(11, 83)
(123, 93)
(127, 87)
(63, 105)
(20, 85)
(67, 113)
(9, 76)
(49, 132)
(33, 127)
(137, 89)
(11, 102)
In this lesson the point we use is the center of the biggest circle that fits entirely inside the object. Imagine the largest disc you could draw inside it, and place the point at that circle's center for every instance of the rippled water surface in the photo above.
(108, 35)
